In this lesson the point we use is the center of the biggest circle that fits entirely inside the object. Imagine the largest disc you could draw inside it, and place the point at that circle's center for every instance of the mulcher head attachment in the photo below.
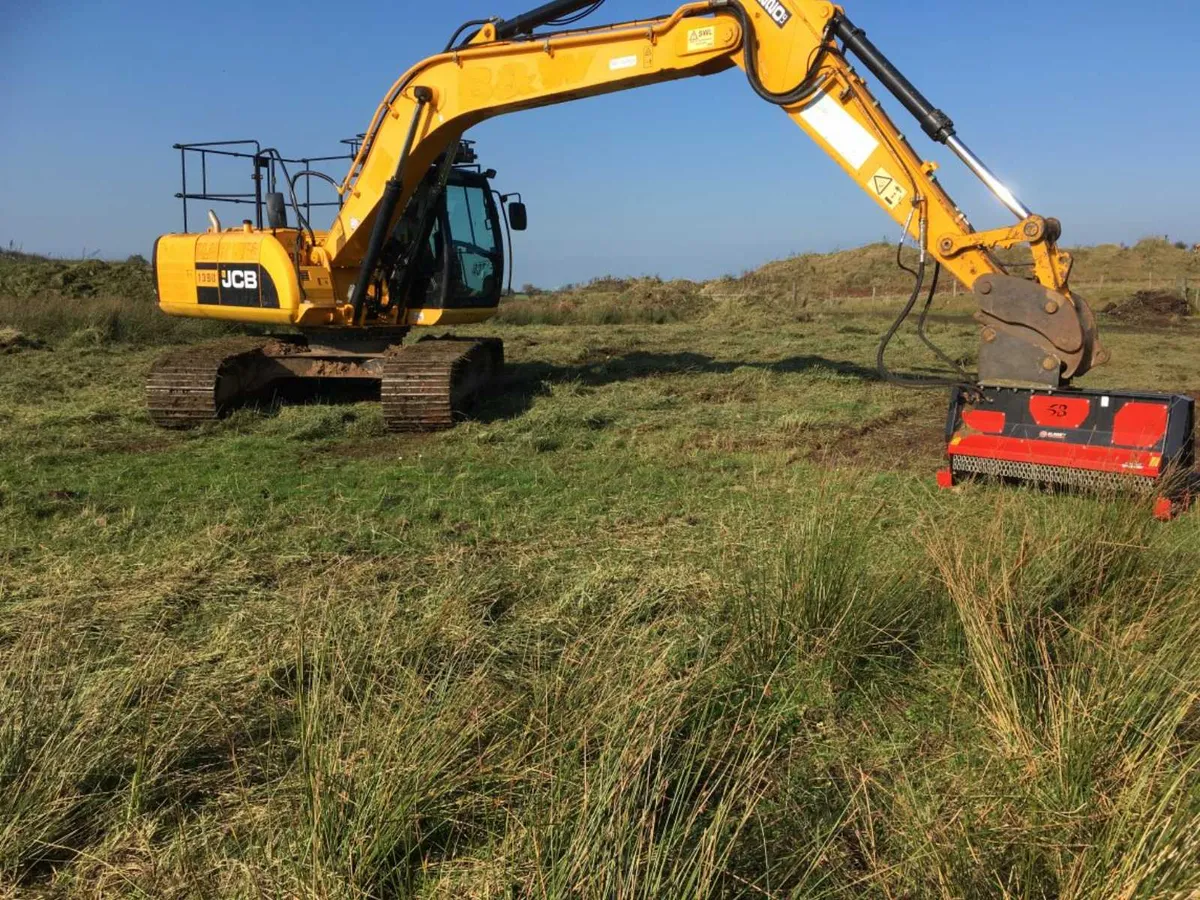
(1099, 440)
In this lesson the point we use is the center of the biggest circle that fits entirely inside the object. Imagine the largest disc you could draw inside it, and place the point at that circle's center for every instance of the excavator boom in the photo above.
(795, 54)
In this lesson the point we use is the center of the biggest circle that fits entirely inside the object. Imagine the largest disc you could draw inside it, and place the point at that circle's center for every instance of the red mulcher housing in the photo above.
(1120, 440)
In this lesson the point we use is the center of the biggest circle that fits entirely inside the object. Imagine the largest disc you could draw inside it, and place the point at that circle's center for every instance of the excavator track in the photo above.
(191, 387)
(429, 385)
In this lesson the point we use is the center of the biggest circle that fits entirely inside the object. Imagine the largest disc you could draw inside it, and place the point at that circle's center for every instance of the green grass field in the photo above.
(679, 613)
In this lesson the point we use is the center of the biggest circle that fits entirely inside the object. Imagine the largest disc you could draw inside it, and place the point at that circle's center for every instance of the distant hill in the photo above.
(25, 275)
(792, 287)
(1153, 262)
(1103, 273)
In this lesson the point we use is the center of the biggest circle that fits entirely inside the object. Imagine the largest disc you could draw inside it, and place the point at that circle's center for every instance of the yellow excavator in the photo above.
(417, 240)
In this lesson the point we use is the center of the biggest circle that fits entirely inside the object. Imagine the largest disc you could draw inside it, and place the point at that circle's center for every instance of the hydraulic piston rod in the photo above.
(995, 185)
(934, 122)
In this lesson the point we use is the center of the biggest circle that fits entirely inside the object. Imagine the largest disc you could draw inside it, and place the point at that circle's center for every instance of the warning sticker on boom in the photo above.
(887, 188)
(701, 38)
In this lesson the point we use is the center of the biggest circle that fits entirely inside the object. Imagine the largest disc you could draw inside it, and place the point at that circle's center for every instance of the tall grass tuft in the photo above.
(856, 706)
(1081, 652)
(827, 595)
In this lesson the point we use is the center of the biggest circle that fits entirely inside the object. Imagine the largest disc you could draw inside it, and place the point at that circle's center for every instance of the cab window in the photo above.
(474, 241)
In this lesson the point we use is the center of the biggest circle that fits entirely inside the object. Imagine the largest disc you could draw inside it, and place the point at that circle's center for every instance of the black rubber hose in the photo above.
(545, 14)
(924, 335)
(905, 381)
(312, 173)
(301, 219)
(881, 354)
(801, 92)
(474, 23)
(387, 208)
(577, 17)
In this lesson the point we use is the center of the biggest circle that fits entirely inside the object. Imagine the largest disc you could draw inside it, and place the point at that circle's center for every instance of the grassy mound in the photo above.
(87, 302)
(608, 301)
(800, 287)
(24, 276)
(96, 301)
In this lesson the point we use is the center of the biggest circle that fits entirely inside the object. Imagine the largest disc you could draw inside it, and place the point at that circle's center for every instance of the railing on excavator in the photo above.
(266, 165)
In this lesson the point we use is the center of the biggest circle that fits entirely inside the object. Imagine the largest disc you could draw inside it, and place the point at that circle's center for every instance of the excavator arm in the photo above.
(796, 55)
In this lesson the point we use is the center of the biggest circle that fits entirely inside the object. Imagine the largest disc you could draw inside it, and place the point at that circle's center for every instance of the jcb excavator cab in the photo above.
(442, 264)
(460, 261)
(466, 246)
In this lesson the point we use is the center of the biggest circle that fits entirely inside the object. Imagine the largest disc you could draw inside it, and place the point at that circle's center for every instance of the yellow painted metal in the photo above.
(186, 263)
(489, 78)
(428, 317)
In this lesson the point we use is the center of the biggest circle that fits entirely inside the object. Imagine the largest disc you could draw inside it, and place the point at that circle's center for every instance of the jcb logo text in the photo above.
(779, 13)
(240, 279)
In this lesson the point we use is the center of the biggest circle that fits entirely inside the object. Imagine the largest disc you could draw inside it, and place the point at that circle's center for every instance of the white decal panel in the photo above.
(840, 130)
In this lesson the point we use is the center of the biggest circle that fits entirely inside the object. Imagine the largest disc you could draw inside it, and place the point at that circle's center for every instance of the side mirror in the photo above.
(518, 217)
(276, 211)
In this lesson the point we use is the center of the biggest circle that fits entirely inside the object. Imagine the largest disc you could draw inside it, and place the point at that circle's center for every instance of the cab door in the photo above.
(475, 249)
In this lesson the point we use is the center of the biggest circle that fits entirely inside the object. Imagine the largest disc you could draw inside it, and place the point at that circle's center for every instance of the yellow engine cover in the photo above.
(240, 276)
(250, 276)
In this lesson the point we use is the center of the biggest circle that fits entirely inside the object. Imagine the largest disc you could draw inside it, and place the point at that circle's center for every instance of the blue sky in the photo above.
(1087, 110)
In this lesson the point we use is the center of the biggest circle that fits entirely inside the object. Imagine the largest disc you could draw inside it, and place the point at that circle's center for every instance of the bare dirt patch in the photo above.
(1149, 308)
(278, 347)
(902, 440)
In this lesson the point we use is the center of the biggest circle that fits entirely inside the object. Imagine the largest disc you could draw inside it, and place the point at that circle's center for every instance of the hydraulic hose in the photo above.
(474, 23)
(923, 322)
(801, 92)
(545, 14)
(387, 208)
(918, 274)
